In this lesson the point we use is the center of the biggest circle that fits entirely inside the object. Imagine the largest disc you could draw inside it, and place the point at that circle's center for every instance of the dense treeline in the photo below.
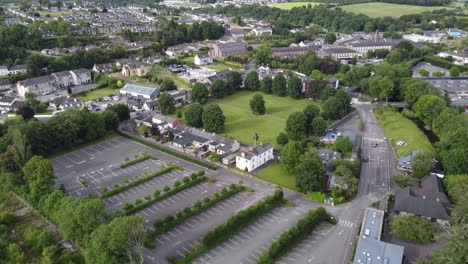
(406, 2)
(15, 40)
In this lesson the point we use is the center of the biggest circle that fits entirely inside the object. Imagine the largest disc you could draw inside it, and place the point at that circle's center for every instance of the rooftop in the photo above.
(254, 151)
(138, 89)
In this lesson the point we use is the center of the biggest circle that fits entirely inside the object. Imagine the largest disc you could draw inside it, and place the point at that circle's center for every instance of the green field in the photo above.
(242, 125)
(277, 174)
(291, 5)
(391, 10)
(397, 127)
(96, 94)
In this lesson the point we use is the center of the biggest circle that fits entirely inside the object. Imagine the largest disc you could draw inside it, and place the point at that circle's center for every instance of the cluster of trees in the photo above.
(15, 40)
(348, 171)
(414, 228)
(220, 88)
(211, 117)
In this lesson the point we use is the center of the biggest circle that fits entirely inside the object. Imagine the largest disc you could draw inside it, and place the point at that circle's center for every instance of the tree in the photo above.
(428, 107)
(233, 82)
(311, 111)
(290, 155)
(395, 56)
(310, 174)
(386, 88)
(422, 164)
(111, 119)
(119, 241)
(26, 111)
(423, 73)
(39, 174)
(168, 85)
(414, 228)
(20, 148)
(265, 85)
(343, 145)
(199, 93)
(217, 88)
(413, 89)
(345, 100)
(213, 118)
(144, 130)
(166, 104)
(282, 139)
(122, 111)
(403, 181)
(319, 125)
(332, 109)
(194, 115)
(454, 161)
(263, 55)
(294, 87)
(296, 126)
(330, 38)
(327, 92)
(454, 71)
(278, 85)
(257, 104)
(252, 82)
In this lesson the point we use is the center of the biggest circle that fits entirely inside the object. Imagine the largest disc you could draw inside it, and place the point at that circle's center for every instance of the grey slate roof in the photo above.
(37, 80)
(255, 151)
(7, 99)
(231, 47)
(132, 88)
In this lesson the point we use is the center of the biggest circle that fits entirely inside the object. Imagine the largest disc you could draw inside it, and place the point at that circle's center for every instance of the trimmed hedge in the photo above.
(294, 235)
(189, 212)
(173, 191)
(233, 225)
(169, 151)
(443, 63)
(139, 181)
(138, 160)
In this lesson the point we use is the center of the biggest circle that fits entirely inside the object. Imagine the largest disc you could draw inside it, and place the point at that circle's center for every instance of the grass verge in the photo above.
(137, 160)
(278, 174)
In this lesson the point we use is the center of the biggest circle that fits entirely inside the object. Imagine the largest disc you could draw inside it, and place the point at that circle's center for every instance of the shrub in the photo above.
(224, 190)
(179, 214)
(176, 183)
(216, 195)
(158, 223)
(317, 196)
(166, 188)
(232, 186)
(147, 197)
(198, 203)
(157, 193)
(128, 206)
(207, 199)
(187, 210)
(403, 181)
(193, 176)
(168, 219)
(138, 201)
(186, 179)
(105, 189)
(125, 180)
(116, 185)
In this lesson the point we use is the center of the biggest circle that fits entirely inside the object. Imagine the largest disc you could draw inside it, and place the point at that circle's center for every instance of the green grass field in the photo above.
(242, 125)
(277, 174)
(397, 127)
(391, 10)
(291, 5)
(98, 93)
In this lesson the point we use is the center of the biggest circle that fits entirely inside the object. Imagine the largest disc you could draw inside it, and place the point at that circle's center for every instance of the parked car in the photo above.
(365, 159)
(374, 145)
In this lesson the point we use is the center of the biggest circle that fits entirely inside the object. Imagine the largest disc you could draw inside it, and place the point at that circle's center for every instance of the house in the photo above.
(81, 76)
(369, 248)
(457, 88)
(180, 97)
(164, 122)
(17, 69)
(139, 92)
(262, 31)
(3, 70)
(460, 57)
(4, 84)
(63, 79)
(251, 158)
(134, 104)
(41, 85)
(66, 102)
(404, 163)
(9, 103)
(328, 157)
(427, 200)
(150, 105)
(192, 137)
(202, 59)
(103, 68)
(222, 50)
(236, 32)
(136, 69)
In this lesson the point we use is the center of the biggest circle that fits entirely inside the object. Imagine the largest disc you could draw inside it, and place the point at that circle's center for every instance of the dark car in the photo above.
(374, 145)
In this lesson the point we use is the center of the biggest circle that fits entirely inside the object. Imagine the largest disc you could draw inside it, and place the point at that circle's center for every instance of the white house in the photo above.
(251, 158)
(3, 70)
(202, 59)
(81, 76)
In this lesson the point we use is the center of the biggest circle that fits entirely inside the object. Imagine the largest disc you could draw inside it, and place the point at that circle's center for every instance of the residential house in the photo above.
(17, 69)
(222, 50)
(180, 97)
(203, 59)
(4, 84)
(63, 79)
(262, 31)
(9, 103)
(369, 248)
(66, 102)
(150, 105)
(41, 85)
(328, 157)
(192, 137)
(134, 104)
(164, 122)
(139, 92)
(136, 69)
(103, 68)
(81, 76)
(404, 163)
(427, 200)
(236, 33)
(251, 158)
(460, 57)
(3, 70)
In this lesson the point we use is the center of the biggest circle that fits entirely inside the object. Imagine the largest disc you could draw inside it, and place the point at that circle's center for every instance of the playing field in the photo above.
(242, 124)
(391, 10)
(96, 94)
(288, 6)
(399, 128)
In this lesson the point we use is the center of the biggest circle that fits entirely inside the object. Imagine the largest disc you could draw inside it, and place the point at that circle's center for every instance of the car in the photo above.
(374, 145)
(137, 113)
(365, 159)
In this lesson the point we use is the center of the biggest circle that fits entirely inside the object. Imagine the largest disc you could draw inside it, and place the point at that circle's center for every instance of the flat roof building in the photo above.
(140, 92)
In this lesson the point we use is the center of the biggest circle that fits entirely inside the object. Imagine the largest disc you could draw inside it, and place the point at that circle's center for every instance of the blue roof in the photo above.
(138, 89)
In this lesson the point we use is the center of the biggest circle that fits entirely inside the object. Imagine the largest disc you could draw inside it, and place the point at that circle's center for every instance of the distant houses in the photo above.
(202, 60)
(139, 69)
(223, 50)
(12, 70)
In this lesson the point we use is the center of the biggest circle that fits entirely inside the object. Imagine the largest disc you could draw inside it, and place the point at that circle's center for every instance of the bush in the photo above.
(176, 183)
(414, 228)
(137, 159)
(147, 197)
(198, 203)
(166, 188)
(186, 179)
(187, 210)
(157, 193)
(403, 181)
(168, 219)
(138, 201)
(207, 199)
(317, 196)
(128, 206)
(105, 189)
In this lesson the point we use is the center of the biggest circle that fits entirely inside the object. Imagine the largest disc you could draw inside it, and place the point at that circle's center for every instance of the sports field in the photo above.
(391, 10)
(291, 5)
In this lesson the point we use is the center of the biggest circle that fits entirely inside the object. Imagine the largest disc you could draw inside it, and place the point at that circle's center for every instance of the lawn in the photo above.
(391, 10)
(242, 125)
(291, 5)
(97, 93)
(217, 67)
(397, 127)
(161, 72)
(277, 174)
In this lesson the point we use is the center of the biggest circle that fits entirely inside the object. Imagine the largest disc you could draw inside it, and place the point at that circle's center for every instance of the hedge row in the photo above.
(170, 152)
(232, 226)
(138, 160)
(139, 181)
(168, 193)
(441, 62)
(166, 224)
(295, 234)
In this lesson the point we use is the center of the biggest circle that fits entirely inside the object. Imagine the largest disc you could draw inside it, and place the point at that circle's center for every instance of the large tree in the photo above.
(263, 55)
(428, 107)
(345, 100)
(257, 104)
(199, 93)
(311, 111)
(413, 89)
(319, 125)
(296, 125)
(122, 111)
(39, 174)
(265, 85)
(422, 164)
(278, 85)
(327, 92)
(330, 38)
(295, 87)
(310, 174)
(111, 119)
(168, 85)
(194, 114)
(291, 155)
(252, 82)
(166, 104)
(20, 148)
(217, 88)
(213, 118)
(332, 109)
(26, 111)
(233, 82)
(414, 228)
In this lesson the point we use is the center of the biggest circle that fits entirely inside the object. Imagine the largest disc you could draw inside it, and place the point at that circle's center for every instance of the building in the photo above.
(404, 163)
(180, 97)
(136, 69)
(251, 158)
(328, 157)
(9, 103)
(103, 68)
(81, 76)
(427, 200)
(262, 31)
(3, 70)
(421, 38)
(6, 70)
(139, 92)
(291, 52)
(222, 50)
(202, 60)
(4, 84)
(460, 57)
(63, 78)
(362, 46)
(41, 85)
(337, 52)
(369, 248)
(66, 102)
(457, 88)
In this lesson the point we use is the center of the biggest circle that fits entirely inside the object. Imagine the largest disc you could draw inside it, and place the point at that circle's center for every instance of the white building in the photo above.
(139, 92)
(3, 70)
(251, 158)
(421, 38)
(42, 85)
(202, 60)
(460, 57)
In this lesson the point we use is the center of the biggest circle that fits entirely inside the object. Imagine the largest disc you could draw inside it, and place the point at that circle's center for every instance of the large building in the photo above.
(421, 38)
(251, 158)
(370, 249)
(41, 85)
(139, 92)
(136, 69)
(365, 45)
(222, 50)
